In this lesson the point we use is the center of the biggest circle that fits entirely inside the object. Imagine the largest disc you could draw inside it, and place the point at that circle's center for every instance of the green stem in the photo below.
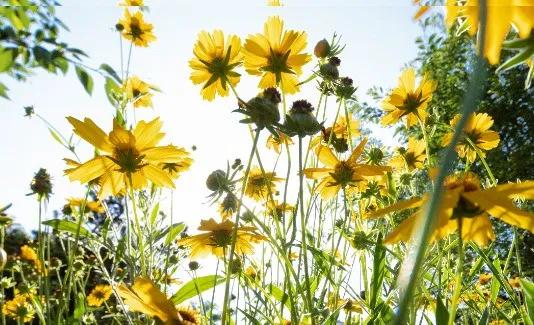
(425, 137)
(225, 317)
(459, 272)
(140, 240)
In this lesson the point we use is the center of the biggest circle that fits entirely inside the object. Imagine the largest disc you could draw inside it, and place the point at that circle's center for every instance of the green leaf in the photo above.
(528, 290)
(3, 91)
(279, 295)
(6, 60)
(154, 214)
(485, 317)
(521, 57)
(173, 232)
(111, 72)
(442, 314)
(112, 90)
(196, 287)
(67, 226)
(85, 79)
(80, 307)
(379, 270)
(56, 137)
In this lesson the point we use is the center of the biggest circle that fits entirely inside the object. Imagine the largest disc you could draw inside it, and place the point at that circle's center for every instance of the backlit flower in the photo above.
(259, 185)
(19, 308)
(217, 237)
(501, 16)
(276, 56)
(338, 174)
(407, 100)
(135, 29)
(278, 209)
(465, 201)
(138, 92)
(132, 3)
(214, 63)
(477, 130)
(126, 158)
(228, 206)
(346, 129)
(89, 205)
(410, 158)
(99, 295)
(275, 143)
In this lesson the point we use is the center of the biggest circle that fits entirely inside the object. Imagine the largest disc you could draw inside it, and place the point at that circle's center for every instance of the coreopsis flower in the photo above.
(19, 309)
(217, 237)
(484, 278)
(477, 130)
(410, 158)
(259, 185)
(421, 9)
(274, 3)
(127, 158)
(338, 174)
(132, 3)
(145, 297)
(515, 282)
(90, 206)
(500, 17)
(138, 92)
(346, 128)
(214, 63)
(275, 143)
(408, 100)
(99, 295)
(276, 55)
(136, 29)
(28, 254)
(278, 209)
(465, 201)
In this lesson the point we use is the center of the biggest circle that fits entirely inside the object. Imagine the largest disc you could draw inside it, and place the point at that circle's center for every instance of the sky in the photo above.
(380, 42)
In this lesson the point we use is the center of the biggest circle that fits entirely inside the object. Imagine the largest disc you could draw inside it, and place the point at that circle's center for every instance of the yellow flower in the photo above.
(19, 308)
(340, 174)
(90, 206)
(407, 100)
(274, 3)
(421, 11)
(251, 272)
(217, 238)
(99, 295)
(214, 63)
(477, 130)
(346, 129)
(515, 282)
(228, 207)
(259, 186)
(277, 209)
(135, 29)
(147, 298)
(501, 15)
(275, 143)
(126, 158)
(28, 254)
(132, 3)
(410, 158)
(138, 92)
(465, 201)
(335, 302)
(484, 278)
(276, 55)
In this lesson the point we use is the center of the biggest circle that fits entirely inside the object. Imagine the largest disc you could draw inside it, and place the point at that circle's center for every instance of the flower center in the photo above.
(343, 173)
(128, 158)
(135, 29)
(221, 238)
(411, 102)
(277, 64)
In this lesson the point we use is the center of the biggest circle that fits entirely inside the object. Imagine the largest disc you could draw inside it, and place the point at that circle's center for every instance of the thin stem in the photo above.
(459, 272)
(425, 137)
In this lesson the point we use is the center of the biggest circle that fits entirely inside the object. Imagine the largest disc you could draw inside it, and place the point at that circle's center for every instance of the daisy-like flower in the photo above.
(276, 55)
(346, 129)
(228, 207)
(90, 206)
(217, 237)
(274, 3)
(338, 135)
(278, 209)
(132, 3)
(484, 278)
(138, 92)
(214, 63)
(99, 295)
(501, 16)
(338, 174)
(408, 100)
(275, 143)
(465, 201)
(515, 282)
(126, 158)
(410, 158)
(136, 29)
(19, 308)
(145, 297)
(477, 131)
(28, 254)
(259, 185)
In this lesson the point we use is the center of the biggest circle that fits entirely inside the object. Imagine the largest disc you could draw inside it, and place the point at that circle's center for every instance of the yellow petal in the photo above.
(91, 133)
(326, 156)
(91, 170)
(399, 206)
(316, 173)
(357, 152)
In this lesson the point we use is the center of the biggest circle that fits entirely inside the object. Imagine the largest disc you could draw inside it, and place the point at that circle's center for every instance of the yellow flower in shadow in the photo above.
(126, 158)
(465, 201)
(99, 295)
(477, 131)
(275, 143)
(145, 297)
(259, 185)
(135, 29)
(408, 100)
(276, 55)
(217, 237)
(214, 63)
(338, 174)
(501, 15)
(19, 308)
(410, 158)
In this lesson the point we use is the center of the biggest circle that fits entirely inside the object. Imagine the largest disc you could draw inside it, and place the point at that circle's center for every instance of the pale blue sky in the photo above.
(380, 41)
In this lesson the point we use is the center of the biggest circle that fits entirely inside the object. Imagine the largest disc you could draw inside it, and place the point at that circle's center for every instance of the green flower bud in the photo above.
(262, 110)
(301, 121)
(216, 180)
(322, 49)
(194, 265)
(329, 71)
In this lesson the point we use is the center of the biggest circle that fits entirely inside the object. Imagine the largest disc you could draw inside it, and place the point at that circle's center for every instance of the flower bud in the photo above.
(216, 180)
(329, 71)
(193, 265)
(322, 49)
(41, 184)
(345, 88)
(375, 156)
(262, 110)
(301, 121)
(119, 27)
